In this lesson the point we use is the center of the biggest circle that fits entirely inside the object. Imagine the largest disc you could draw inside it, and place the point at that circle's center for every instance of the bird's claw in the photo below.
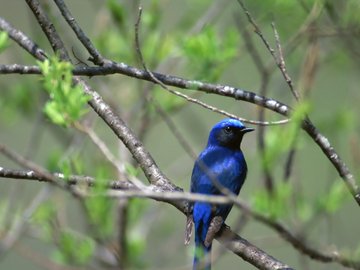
(215, 226)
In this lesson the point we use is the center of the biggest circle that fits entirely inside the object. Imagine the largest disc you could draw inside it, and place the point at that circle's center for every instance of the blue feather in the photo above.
(220, 163)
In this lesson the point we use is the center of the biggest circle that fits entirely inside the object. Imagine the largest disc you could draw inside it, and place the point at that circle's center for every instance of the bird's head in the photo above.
(229, 133)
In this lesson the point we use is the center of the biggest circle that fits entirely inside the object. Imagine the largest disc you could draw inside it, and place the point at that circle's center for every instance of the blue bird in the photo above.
(220, 165)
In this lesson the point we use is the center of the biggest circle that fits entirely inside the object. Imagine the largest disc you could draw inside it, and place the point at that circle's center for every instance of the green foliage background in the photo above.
(313, 202)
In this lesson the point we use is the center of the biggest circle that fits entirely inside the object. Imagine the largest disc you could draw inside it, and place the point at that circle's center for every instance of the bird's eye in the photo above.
(228, 129)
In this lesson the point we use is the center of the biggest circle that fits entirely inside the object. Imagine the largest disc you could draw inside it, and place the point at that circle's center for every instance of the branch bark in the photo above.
(125, 189)
(123, 132)
(118, 126)
(228, 91)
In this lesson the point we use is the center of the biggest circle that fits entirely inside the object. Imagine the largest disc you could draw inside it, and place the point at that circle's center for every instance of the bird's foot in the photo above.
(215, 226)
(188, 229)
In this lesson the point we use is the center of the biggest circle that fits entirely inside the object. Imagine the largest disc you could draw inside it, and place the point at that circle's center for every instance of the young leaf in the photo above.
(209, 53)
(333, 199)
(117, 11)
(42, 218)
(4, 41)
(67, 101)
(275, 205)
(100, 207)
(280, 139)
(75, 248)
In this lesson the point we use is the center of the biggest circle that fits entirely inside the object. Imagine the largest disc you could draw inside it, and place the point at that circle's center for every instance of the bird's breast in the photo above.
(227, 166)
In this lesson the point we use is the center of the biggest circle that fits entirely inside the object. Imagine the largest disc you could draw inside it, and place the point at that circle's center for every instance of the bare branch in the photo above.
(265, 78)
(24, 41)
(112, 69)
(102, 147)
(96, 58)
(281, 64)
(309, 127)
(235, 242)
(48, 29)
(124, 189)
(122, 131)
(35, 169)
(237, 94)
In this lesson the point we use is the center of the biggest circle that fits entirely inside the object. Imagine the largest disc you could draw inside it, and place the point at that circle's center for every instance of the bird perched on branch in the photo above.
(219, 170)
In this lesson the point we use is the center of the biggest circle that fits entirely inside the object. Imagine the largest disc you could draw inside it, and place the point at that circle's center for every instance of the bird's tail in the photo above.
(202, 256)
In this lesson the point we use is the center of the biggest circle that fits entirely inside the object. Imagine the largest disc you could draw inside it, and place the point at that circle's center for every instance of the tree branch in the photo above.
(148, 165)
(124, 189)
(236, 93)
(140, 154)
(48, 29)
(96, 58)
(307, 125)
(22, 40)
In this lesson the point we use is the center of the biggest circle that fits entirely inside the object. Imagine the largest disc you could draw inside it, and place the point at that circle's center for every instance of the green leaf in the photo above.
(132, 170)
(4, 41)
(67, 101)
(135, 241)
(280, 139)
(18, 100)
(117, 11)
(209, 53)
(344, 119)
(136, 244)
(100, 207)
(304, 210)
(274, 204)
(116, 46)
(152, 16)
(136, 209)
(74, 248)
(164, 46)
(351, 14)
(54, 112)
(43, 218)
(167, 101)
(334, 198)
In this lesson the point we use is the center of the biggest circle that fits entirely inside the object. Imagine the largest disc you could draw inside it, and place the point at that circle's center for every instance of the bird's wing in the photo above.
(225, 166)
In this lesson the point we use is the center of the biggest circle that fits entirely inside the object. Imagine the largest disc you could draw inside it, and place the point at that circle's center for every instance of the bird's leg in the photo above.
(188, 229)
(215, 226)
(226, 226)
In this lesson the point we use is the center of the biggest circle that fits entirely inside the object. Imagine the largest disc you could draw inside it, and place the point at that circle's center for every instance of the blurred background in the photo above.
(43, 227)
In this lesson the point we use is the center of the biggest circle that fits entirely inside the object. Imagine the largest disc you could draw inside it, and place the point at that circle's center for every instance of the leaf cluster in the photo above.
(72, 248)
(67, 101)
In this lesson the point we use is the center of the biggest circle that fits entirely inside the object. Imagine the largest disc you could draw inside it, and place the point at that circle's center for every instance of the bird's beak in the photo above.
(246, 130)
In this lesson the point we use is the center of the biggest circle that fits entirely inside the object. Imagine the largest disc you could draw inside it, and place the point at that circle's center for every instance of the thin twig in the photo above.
(122, 225)
(181, 139)
(124, 134)
(277, 226)
(281, 64)
(36, 169)
(101, 146)
(8, 240)
(48, 29)
(223, 90)
(223, 190)
(193, 100)
(96, 57)
(168, 80)
(24, 41)
(265, 78)
(313, 132)
(125, 189)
